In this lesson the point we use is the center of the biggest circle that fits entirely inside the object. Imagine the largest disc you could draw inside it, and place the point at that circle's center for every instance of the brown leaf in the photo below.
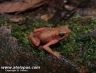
(46, 17)
(9, 7)
(15, 18)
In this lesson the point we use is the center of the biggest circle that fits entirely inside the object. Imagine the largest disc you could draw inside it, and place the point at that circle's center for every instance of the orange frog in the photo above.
(47, 36)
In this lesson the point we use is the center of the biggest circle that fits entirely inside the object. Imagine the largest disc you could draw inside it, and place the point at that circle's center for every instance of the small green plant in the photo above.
(82, 51)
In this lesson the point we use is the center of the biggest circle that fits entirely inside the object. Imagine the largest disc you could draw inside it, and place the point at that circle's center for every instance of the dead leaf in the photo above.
(15, 18)
(19, 6)
(46, 17)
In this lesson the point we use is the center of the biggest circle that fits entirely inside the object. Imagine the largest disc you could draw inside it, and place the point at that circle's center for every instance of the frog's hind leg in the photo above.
(34, 40)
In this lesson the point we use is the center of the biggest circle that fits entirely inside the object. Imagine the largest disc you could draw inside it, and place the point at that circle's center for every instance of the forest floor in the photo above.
(80, 49)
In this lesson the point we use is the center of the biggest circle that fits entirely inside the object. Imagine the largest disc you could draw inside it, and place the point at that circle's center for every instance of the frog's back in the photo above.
(48, 34)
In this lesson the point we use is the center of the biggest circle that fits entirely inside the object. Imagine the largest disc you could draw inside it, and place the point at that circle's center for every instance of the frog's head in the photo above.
(64, 30)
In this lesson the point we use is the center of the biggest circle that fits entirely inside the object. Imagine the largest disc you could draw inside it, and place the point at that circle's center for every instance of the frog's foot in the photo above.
(57, 54)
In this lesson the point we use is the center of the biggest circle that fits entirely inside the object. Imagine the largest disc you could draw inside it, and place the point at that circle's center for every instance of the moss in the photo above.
(81, 52)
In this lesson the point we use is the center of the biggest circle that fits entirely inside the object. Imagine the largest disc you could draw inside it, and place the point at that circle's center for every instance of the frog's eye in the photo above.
(61, 34)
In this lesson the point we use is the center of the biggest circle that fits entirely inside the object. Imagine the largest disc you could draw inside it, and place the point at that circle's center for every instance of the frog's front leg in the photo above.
(49, 50)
